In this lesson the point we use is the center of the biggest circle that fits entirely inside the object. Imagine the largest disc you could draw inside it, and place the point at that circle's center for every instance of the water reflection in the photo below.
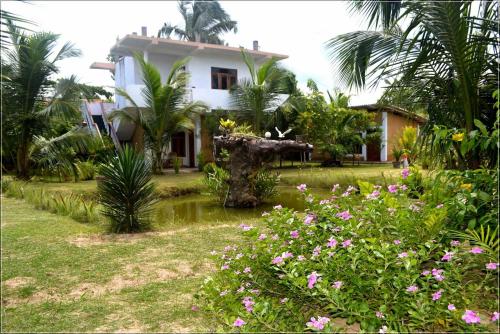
(199, 208)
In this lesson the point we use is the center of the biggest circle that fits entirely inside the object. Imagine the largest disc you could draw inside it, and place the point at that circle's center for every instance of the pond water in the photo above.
(194, 209)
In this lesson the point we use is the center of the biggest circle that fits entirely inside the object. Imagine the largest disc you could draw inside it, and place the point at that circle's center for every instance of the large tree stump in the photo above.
(247, 155)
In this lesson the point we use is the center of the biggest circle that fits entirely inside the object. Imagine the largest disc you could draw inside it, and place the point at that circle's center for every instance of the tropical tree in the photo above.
(444, 51)
(260, 94)
(166, 109)
(204, 21)
(31, 101)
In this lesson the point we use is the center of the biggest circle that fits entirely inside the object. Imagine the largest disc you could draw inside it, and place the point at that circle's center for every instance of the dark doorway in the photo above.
(373, 152)
(179, 144)
(191, 149)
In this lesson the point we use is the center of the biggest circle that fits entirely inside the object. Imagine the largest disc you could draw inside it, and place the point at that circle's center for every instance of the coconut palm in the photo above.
(30, 99)
(204, 21)
(255, 96)
(166, 109)
(444, 51)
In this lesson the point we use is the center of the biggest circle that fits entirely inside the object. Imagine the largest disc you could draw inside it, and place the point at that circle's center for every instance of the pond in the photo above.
(197, 208)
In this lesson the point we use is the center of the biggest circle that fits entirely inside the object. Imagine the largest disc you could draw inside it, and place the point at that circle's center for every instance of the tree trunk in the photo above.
(23, 162)
(247, 154)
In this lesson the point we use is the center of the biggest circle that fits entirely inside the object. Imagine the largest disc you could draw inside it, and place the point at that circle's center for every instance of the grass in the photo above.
(60, 275)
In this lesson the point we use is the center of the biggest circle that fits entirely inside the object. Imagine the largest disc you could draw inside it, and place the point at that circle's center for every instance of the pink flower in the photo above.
(225, 266)
(245, 227)
(425, 272)
(318, 324)
(195, 308)
(438, 274)
(346, 243)
(392, 188)
(455, 243)
(491, 266)
(238, 322)
(247, 270)
(374, 195)
(309, 219)
(403, 187)
(437, 295)
(275, 237)
(324, 201)
(312, 279)
(404, 173)
(302, 187)
(471, 317)
(447, 256)
(412, 288)
(476, 250)
(249, 303)
(331, 243)
(403, 255)
(283, 300)
(495, 316)
(294, 234)
(451, 307)
(379, 315)
(335, 187)
(345, 215)
(277, 207)
(397, 242)
(301, 258)
(277, 260)
(262, 236)
(265, 213)
(337, 285)
(286, 255)
(439, 206)
(316, 251)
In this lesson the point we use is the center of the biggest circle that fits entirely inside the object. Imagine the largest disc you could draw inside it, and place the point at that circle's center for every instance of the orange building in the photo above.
(392, 121)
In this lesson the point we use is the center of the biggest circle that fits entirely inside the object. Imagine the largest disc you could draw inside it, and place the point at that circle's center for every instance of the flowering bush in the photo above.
(371, 258)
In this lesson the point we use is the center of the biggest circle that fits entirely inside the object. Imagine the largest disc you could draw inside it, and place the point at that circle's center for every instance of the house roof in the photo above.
(393, 110)
(103, 66)
(132, 42)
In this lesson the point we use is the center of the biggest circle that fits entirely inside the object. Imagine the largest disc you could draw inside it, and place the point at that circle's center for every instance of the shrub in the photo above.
(265, 184)
(200, 158)
(86, 170)
(126, 191)
(216, 180)
(177, 164)
(378, 259)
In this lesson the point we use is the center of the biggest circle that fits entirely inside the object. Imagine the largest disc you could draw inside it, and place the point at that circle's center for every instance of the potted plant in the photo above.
(396, 153)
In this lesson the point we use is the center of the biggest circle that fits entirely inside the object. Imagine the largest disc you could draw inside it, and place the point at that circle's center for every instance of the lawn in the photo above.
(61, 275)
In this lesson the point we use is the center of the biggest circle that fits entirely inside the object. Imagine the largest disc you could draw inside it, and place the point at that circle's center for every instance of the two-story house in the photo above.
(213, 70)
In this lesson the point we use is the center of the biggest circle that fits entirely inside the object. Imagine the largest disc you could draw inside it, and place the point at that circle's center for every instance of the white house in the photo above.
(212, 68)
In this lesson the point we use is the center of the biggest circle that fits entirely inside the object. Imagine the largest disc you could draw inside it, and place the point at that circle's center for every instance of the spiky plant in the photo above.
(126, 192)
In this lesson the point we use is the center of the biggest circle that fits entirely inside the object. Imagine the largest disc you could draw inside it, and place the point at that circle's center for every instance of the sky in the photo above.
(298, 29)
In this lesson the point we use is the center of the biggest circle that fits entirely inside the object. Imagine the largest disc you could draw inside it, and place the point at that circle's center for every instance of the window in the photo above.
(223, 78)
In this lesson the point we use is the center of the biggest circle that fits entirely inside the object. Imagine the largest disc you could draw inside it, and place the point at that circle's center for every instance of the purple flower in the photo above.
(301, 258)
(331, 243)
(302, 187)
(277, 207)
(346, 243)
(447, 256)
(404, 173)
(312, 279)
(403, 187)
(392, 188)
(286, 255)
(262, 236)
(238, 322)
(397, 242)
(495, 316)
(470, 317)
(455, 243)
(318, 324)
(491, 266)
(309, 219)
(412, 288)
(438, 274)
(403, 255)
(345, 215)
(425, 272)
(437, 295)
(451, 307)
(195, 308)
(316, 251)
(225, 266)
(245, 227)
(476, 250)
(335, 187)
(379, 315)
(374, 195)
(277, 260)
(337, 285)
(249, 303)
(275, 237)
(294, 234)
(247, 270)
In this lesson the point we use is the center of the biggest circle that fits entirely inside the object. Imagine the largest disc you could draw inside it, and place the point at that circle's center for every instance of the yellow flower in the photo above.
(466, 186)
(457, 137)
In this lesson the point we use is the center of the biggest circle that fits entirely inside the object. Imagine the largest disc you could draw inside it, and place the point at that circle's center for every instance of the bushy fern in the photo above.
(126, 191)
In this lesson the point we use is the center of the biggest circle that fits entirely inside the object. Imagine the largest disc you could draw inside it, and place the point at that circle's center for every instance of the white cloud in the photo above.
(298, 29)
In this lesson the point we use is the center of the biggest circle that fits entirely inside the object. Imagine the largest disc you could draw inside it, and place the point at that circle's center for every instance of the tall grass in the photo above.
(325, 178)
(71, 205)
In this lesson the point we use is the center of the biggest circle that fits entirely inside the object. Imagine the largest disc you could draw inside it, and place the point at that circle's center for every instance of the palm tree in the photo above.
(166, 110)
(204, 21)
(253, 97)
(30, 99)
(441, 50)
